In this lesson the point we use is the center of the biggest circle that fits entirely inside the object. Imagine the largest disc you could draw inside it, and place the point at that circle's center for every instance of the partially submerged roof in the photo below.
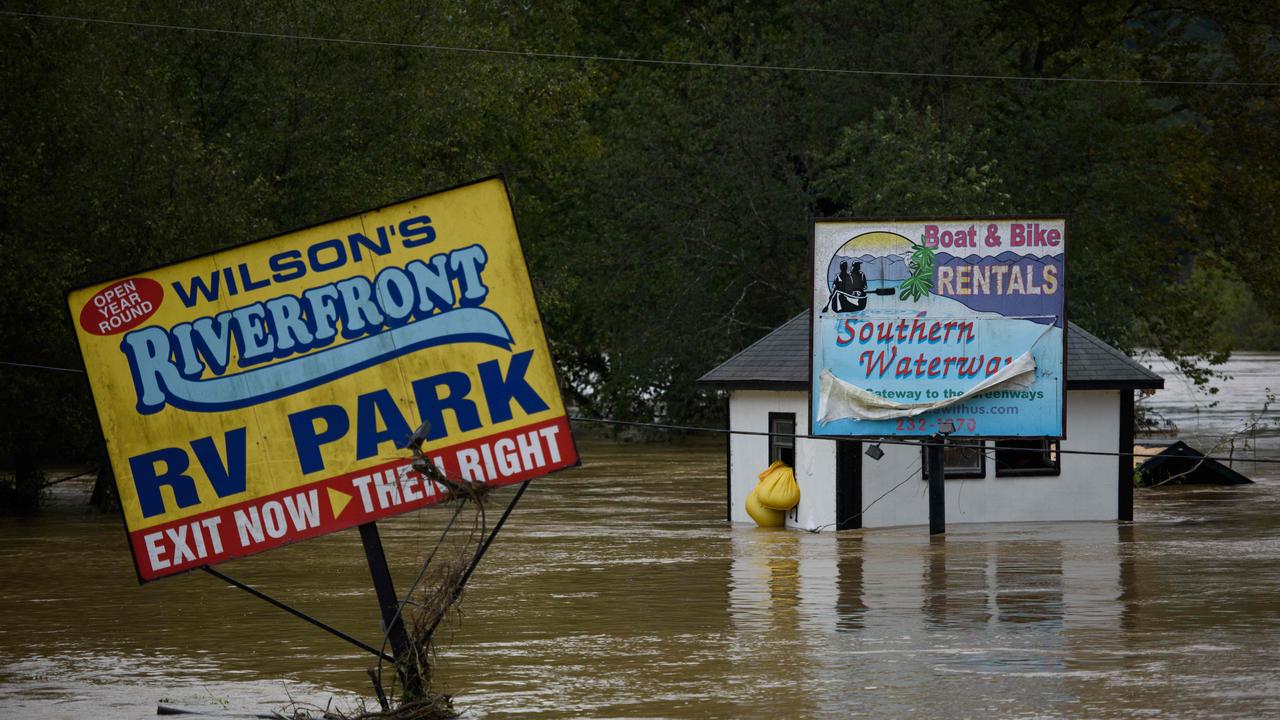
(1181, 464)
(780, 361)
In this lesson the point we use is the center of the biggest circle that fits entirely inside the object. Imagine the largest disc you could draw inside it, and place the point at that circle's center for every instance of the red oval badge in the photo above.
(122, 306)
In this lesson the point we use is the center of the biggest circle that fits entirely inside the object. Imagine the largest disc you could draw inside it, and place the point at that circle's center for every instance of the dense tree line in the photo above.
(664, 208)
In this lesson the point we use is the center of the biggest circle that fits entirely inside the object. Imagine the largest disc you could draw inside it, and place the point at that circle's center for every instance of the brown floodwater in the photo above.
(617, 590)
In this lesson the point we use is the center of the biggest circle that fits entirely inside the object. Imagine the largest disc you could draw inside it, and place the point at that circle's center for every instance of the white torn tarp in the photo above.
(841, 400)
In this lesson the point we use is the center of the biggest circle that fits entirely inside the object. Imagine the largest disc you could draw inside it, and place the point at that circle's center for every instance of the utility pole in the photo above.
(935, 459)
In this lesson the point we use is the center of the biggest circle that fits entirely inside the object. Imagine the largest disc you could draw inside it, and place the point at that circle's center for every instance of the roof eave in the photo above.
(753, 385)
(1147, 384)
(1152, 384)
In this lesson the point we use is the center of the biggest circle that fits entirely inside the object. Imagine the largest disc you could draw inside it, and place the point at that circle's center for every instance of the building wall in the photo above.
(749, 454)
(1085, 489)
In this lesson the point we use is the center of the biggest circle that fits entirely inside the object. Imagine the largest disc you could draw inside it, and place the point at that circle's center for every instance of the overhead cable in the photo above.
(922, 442)
(909, 74)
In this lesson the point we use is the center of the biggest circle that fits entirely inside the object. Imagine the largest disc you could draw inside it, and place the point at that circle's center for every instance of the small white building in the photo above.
(768, 388)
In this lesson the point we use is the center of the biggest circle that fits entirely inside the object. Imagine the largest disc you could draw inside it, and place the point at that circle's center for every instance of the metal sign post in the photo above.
(935, 455)
(936, 460)
(388, 603)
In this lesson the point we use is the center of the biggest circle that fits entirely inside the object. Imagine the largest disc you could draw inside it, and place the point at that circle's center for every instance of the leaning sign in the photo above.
(921, 321)
(261, 395)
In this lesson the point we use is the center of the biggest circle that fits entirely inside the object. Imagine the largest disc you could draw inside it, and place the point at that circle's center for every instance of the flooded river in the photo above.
(618, 591)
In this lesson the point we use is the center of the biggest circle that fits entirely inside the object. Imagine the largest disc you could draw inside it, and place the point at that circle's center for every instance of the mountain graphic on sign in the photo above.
(1004, 258)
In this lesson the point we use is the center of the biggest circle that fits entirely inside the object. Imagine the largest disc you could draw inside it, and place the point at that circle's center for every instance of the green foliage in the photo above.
(920, 281)
(664, 210)
(1238, 319)
(906, 161)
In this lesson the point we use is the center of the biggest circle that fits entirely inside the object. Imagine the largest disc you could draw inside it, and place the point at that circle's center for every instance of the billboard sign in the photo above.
(920, 321)
(262, 394)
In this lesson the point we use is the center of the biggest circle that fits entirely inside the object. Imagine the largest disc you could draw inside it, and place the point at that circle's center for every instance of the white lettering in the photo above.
(181, 553)
(362, 483)
(154, 551)
(273, 519)
(388, 489)
(215, 535)
(469, 465)
(508, 461)
(530, 450)
(304, 509)
(411, 482)
(549, 433)
(249, 525)
(487, 453)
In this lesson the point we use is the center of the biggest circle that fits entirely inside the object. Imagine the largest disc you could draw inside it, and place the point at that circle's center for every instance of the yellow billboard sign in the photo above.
(262, 394)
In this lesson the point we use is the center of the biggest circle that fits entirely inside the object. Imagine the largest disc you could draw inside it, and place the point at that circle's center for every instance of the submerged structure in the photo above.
(1009, 480)
(1181, 464)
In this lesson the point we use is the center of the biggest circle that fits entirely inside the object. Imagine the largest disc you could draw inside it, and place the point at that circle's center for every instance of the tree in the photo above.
(664, 209)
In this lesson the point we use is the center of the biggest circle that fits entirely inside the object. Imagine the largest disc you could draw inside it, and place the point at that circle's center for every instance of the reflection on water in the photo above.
(617, 591)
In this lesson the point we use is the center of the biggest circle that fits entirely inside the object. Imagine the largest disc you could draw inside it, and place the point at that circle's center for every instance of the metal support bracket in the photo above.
(298, 614)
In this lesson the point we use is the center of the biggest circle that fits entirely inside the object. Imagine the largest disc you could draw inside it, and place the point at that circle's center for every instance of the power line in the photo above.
(632, 60)
(911, 475)
(40, 367)
(923, 442)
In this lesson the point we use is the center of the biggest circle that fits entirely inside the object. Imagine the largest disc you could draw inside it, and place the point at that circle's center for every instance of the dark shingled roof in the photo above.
(1181, 464)
(780, 361)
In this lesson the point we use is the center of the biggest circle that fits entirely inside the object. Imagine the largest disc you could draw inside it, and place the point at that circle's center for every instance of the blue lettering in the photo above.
(323, 312)
(340, 255)
(198, 286)
(148, 353)
(358, 240)
(307, 438)
(417, 306)
(432, 283)
(395, 294)
(256, 344)
(287, 266)
(362, 313)
(470, 261)
(369, 408)
(431, 406)
(187, 355)
(286, 320)
(231, 281)
(417, 231)
(147, 480)
(499, 391)
(229, 478)
(247, 282)
(213, 342)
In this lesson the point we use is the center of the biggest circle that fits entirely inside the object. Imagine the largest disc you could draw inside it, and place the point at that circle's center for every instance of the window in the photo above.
(1027, 457)
(782, 438)
(962, 458)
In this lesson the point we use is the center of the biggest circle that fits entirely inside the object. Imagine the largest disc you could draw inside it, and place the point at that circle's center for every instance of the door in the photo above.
(848, 485)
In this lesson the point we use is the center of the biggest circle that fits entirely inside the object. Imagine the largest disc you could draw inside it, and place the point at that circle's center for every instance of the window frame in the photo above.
(958, 474)
(781, 442)
(1051, 449)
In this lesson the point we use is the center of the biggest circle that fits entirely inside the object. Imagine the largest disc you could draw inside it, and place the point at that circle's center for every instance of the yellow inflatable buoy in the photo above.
(764, 517)
(778, 488)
